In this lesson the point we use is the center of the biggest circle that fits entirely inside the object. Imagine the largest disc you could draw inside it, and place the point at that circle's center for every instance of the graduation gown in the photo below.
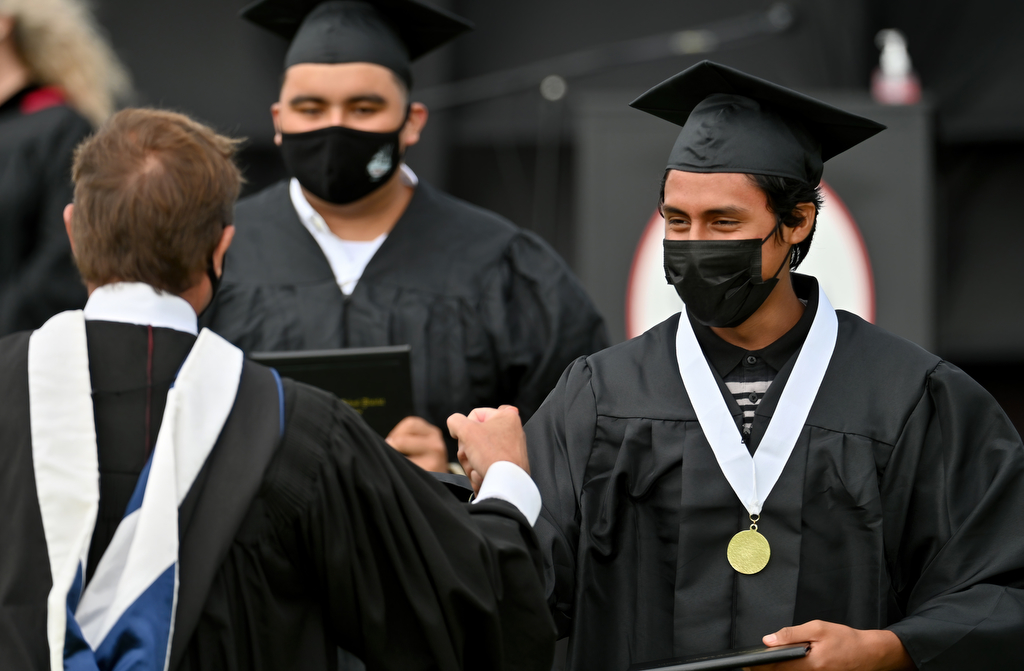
(38, 277)
(292, 543)
(492, 314)
(898, 509)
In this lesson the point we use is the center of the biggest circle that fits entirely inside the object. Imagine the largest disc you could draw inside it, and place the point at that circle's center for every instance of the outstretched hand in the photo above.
(488, 435)
(837, 647)
(421, 442)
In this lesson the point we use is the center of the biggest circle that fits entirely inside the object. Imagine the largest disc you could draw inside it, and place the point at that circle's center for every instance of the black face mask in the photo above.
(341, 165)
(719, 280)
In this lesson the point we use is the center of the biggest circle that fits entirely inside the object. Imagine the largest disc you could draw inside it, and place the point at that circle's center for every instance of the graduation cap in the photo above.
(392, 33)
(734, 122)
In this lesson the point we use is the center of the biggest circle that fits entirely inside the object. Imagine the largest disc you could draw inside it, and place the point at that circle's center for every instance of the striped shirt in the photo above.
(748, 395)
(748, 374)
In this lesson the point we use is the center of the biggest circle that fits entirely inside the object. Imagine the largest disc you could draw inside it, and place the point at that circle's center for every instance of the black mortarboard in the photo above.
(392, 33)
(734, 122)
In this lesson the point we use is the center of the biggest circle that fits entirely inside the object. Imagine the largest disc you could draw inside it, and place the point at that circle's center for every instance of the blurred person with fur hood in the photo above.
(58, 79)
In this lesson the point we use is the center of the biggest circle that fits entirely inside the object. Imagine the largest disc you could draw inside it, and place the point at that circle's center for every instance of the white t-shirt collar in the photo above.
(139, 303)
(348, 258)
(312, 220)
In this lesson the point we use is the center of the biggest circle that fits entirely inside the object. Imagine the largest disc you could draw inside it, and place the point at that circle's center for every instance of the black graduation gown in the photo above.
(38, 277)
(492, 314)
(290, 546)
(898, 508)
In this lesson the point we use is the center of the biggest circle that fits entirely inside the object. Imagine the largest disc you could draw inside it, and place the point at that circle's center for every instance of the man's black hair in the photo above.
(783, 194)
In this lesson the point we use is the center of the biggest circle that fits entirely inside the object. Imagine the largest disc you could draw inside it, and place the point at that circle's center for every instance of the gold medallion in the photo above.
(748, 550)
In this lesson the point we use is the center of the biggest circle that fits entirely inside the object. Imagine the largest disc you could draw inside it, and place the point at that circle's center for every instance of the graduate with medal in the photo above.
(762, 468)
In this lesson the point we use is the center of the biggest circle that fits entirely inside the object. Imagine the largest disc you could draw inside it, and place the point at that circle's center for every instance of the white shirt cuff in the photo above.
(508, 482)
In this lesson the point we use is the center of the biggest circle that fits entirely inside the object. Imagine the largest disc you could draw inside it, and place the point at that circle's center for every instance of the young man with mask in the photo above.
(354, 251)
(170, 505)
(763, 465)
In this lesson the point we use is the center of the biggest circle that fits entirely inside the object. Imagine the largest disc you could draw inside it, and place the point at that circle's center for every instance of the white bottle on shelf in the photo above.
(894, 82)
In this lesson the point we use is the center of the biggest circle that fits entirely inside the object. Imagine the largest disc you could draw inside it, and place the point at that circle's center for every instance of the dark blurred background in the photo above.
(500, 143)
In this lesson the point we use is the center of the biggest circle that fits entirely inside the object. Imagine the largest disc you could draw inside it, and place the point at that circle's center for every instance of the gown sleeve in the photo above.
(559, 439)
(47, 281)
(409, 577)
(540, 318)
(954, 494)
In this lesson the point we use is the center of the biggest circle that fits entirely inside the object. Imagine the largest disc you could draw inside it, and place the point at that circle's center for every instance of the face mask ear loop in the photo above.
(778, 225)
(785, 259)
(405, 119)
(401, 127)
(214, 281)
(214, 286)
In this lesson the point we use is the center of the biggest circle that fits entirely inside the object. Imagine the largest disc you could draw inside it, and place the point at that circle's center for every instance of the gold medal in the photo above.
(748, 550)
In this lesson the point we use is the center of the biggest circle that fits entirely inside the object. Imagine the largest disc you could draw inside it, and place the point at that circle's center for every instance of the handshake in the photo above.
(486, 436)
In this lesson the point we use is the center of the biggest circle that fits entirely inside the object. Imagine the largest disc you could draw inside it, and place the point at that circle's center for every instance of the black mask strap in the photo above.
(401, 126)
(778, 225)
(214, 283)
(214, 277)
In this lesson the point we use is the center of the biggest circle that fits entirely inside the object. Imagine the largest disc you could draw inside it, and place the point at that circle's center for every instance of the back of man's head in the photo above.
(154, 191)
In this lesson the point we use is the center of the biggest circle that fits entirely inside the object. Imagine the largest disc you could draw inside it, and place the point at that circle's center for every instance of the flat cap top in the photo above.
(735, 122)
(392, 33)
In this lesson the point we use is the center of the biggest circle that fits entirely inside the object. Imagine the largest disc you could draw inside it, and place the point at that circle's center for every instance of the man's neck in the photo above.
(777, 315)
(369, 217)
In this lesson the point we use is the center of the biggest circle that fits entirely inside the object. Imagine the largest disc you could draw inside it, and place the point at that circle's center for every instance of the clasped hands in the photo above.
(486, 436)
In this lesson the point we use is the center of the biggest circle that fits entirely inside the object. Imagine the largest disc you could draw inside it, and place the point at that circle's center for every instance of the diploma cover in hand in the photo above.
(375, 381)
(728, 659)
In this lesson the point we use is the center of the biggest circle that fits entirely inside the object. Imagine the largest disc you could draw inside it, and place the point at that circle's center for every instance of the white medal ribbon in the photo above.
(752, 478)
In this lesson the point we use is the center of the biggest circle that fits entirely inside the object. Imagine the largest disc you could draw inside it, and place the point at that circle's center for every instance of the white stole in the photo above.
(145, 545)
(753, 477)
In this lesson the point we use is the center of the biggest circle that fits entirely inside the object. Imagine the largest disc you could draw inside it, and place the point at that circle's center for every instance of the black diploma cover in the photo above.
(728, 659)
(375, 381)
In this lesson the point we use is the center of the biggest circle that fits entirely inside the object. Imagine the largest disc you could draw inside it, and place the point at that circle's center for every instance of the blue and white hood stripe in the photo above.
(124, 618)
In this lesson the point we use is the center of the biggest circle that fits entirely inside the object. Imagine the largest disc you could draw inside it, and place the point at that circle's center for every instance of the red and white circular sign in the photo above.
(838, 258)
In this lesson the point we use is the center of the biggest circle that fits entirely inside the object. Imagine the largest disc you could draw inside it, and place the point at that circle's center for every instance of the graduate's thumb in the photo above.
(801, 633)
(783, 636)
(456, 423)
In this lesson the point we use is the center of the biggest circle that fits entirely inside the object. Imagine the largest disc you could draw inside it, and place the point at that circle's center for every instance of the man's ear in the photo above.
(69, 211)
(226, 236)
(794, 235)
(410, 134)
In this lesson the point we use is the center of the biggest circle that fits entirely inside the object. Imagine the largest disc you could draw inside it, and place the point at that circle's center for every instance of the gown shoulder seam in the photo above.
(593, 434)
(925, 391)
